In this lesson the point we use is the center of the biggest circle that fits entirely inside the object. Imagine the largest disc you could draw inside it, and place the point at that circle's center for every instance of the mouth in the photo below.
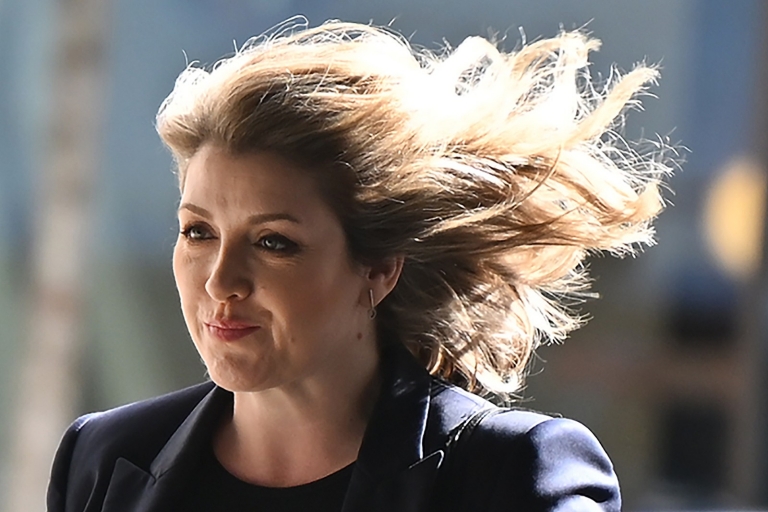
(227, 330)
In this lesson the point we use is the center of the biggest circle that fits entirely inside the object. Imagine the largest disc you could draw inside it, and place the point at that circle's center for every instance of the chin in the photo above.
(237, 376)
(237, 384)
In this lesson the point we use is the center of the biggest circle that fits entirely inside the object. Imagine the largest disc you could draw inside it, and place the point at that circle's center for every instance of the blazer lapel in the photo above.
(132, 489)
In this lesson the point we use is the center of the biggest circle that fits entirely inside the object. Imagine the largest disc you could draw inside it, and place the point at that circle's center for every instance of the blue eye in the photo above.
(278, 243)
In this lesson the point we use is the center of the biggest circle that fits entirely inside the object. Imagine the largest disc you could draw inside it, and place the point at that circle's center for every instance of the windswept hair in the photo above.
(493, 174)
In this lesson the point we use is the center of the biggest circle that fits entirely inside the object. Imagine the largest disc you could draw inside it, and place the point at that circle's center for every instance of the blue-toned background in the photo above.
(670, 371)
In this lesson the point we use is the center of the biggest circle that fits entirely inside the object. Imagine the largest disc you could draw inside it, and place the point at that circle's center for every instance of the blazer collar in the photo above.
(391, 473)
(394, 437)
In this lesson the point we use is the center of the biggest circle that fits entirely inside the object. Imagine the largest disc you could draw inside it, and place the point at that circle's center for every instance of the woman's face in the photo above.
(268, 291)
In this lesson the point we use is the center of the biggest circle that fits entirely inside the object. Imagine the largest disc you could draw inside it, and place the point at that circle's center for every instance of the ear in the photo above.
(382, 278)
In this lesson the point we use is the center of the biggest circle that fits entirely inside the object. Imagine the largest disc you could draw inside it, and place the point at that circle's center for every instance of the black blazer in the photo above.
(139, 457)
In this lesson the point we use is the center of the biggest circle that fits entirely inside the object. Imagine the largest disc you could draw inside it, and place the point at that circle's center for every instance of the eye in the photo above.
(278, 243)
(196, 232)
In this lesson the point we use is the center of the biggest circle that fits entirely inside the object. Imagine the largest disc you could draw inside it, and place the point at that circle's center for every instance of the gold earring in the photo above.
(372, 310)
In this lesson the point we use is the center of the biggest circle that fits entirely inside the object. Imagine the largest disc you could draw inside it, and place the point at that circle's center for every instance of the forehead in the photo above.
(260, 182)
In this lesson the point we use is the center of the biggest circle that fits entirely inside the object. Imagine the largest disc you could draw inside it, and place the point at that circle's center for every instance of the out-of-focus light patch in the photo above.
(734, 217)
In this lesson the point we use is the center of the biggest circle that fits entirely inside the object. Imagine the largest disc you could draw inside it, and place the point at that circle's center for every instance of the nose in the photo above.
(230, 278)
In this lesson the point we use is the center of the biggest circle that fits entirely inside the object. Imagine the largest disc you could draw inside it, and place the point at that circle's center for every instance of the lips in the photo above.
(230, 330)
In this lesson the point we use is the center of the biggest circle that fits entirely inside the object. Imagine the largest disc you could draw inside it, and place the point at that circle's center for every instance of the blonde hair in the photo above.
(493, 174)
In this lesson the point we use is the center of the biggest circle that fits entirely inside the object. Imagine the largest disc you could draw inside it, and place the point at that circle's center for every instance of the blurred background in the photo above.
(672, 371)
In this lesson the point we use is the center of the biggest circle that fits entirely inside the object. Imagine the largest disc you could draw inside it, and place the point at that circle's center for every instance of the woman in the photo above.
(368, 233)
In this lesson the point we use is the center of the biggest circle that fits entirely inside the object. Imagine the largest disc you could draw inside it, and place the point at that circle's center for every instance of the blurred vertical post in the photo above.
(47, 390)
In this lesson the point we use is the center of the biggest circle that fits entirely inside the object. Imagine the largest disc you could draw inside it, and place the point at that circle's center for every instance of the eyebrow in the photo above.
(259, 218)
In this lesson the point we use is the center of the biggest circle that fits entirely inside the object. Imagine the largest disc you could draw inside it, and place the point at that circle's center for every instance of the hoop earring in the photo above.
(372, 310)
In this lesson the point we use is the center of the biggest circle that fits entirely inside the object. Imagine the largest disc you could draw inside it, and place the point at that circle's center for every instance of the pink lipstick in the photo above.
(230, 330)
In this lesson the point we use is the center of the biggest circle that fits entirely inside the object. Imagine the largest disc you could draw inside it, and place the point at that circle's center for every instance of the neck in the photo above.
(301, 432)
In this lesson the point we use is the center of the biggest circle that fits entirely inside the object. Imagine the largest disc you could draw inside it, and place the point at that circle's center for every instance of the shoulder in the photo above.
(533, 460)
(142, 426)
(137, 432)
(176, 403)
(552, 464)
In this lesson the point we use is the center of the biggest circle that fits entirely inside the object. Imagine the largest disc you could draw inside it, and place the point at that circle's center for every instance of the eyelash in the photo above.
(187, 232)
(284, 245)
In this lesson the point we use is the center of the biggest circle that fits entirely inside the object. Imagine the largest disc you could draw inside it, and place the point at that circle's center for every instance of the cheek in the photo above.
(180, 272)
(327, 294)
(293, 296)
(189, 277)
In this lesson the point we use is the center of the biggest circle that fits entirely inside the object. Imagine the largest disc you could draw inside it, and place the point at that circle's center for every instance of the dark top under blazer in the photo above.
(139, 457)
